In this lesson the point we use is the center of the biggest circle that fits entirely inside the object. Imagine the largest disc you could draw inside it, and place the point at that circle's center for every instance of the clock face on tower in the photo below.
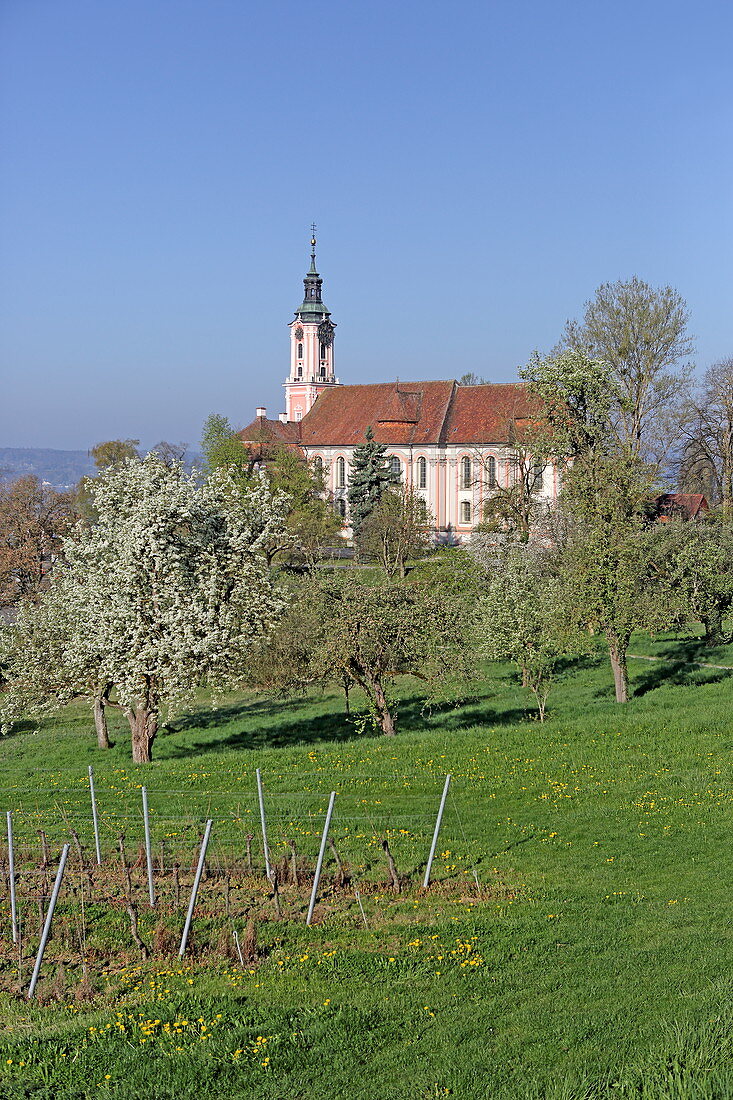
(325, 333)
(298, 332)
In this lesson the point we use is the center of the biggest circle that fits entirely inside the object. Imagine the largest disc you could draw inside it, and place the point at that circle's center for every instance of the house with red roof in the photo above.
(684, 506)
(454, 445)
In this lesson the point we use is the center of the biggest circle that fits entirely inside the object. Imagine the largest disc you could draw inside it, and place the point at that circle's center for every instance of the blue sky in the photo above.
(475, 170)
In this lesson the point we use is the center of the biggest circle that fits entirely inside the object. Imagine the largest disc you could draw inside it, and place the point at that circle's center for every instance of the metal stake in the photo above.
(324, 839)
(11, 870)
(363, 915)
(435, 834)
(239, 949)
(195, 889)
(148, 849)
(94, 816)
(49, 918)
(268, 870)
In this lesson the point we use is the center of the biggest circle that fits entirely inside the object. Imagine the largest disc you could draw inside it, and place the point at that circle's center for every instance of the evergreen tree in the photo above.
(370, 477)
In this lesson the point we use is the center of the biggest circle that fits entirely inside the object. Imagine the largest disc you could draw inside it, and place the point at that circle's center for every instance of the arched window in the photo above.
(465, 511)
(537, 471)
(300, 371)
(341, 508)
(324, 351)
(299, 353)
(422, 473)
(340, 473)
(491, 472)
(322, 372)
(318, 464)
(466, 473)
(395, 467)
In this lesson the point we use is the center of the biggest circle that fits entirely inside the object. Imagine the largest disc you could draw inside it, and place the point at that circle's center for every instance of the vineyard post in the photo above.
(148, 849)
(95, 819)
(324, 839)
(263, 823)
(435, 834)
(11, 872)
(195, 889)
(49, 918)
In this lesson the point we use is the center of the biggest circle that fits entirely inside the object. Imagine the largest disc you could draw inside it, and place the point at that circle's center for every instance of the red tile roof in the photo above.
(491, 413)
(262, 430)
(681, 505)
(397, 412)
(406, 414)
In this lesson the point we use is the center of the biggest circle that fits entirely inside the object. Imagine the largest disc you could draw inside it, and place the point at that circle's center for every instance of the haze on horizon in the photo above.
(474, 177)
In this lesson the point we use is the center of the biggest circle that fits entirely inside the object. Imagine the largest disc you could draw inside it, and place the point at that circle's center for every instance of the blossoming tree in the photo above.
(168, 589)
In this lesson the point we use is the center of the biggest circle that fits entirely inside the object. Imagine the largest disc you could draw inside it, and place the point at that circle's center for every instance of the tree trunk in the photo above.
(384, 715)
(100, 721)
(617, 651)
(713, 623)
(143, 728)
(371, 684)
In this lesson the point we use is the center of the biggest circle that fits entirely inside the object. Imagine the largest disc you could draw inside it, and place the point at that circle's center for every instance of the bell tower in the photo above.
(311, 347)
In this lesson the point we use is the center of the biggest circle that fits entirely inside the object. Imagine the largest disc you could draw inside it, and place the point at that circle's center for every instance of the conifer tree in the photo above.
(370, 476)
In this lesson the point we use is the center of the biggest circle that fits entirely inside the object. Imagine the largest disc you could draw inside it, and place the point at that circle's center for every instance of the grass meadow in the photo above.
(576, 942)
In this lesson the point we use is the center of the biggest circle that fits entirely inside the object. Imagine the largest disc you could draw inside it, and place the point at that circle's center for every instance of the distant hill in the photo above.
(62, 469)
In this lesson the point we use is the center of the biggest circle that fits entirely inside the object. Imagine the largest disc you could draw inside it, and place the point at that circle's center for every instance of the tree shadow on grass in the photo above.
(259, 726)
(677, 666)
(207, 717)
(678, 673)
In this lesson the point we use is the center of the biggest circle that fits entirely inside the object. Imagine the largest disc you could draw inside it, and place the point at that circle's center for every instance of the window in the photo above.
(298, 413)
(537, 471)
(300, 371)
(491, 472)
(322, 372)
(299, 353)
(318, 464)
(341, 508)
(422, 473)
(466, 473)
(465, 511)
(340, 473)
(395, 467)
(324, 351)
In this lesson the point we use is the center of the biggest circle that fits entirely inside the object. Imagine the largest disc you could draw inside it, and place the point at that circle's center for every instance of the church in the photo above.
(451, 443)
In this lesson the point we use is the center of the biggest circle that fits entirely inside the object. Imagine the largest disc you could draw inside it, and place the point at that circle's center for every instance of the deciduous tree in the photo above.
(696, 561)
(33, 520)
(523, 616)
(706, 460)
(113, 452)
(640, 333)
(311, 523)
(399, 528)
(608, 562)
(340, 629)
(168, 588)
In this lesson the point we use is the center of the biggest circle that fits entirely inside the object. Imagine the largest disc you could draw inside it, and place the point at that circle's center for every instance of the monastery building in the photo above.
(451, 443)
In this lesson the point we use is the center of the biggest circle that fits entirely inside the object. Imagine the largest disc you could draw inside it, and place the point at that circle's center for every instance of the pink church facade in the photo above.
(448, 442)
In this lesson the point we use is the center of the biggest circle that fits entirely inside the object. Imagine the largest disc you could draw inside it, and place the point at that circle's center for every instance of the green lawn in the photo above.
(577, 943)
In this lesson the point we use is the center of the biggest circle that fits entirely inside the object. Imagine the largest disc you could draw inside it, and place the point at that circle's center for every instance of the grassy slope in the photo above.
(606, 973)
